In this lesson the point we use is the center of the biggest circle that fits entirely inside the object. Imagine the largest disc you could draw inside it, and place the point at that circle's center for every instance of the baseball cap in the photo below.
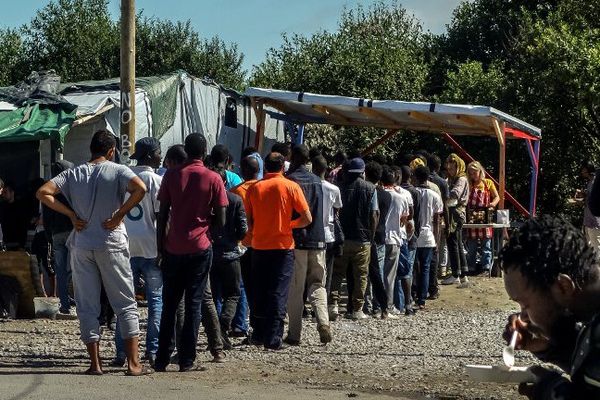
(144, 147)
(356, 165)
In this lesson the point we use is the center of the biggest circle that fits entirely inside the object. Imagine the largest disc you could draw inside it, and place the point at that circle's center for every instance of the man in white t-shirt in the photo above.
(395, 232)
(332, 202)
(430, 209)
(141, 230)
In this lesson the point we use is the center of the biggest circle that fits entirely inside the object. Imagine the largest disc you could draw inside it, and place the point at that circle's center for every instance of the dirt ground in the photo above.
(413, 358)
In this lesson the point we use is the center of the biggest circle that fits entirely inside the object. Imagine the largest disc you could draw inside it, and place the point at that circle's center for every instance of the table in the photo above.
(496, 241)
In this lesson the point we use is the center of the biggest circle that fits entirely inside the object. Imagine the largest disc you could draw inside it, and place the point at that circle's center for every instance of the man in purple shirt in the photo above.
(191, 199)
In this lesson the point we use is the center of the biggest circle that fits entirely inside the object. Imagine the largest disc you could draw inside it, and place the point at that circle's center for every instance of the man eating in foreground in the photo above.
(554, 275)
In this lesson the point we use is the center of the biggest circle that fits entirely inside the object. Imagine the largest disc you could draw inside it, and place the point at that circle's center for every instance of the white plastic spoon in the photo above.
(508, 354)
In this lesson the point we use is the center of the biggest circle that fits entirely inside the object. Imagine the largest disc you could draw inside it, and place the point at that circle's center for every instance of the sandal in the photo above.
(143, 371)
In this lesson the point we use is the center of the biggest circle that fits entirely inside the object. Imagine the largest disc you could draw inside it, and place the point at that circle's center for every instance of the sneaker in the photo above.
(395, 311)
(237, 333)
(434, 296)
(409, 312)
(226, 342)
(442, 272)
(187, 368)
(151, 358)
(218, 357)
(451, 280)
(249, 341)
(387, 315)
(358, 315)
(324, 334)
(464, 283)
(334, 312)
(291, 342)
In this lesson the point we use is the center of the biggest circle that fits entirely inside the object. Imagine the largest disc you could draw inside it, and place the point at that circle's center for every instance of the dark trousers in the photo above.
(329, 259)
(182, 274)
(433, 273)
(225, 279)
(424, 255)
(272, 272)
(210, 322)
(456, 255)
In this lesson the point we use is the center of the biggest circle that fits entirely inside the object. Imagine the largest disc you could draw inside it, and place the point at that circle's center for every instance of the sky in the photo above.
(255, 25)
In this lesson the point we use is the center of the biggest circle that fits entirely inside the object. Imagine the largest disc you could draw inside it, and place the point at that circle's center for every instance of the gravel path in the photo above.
(414, 357)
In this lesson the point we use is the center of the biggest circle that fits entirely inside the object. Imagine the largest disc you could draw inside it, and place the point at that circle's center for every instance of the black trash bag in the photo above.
(39, 88)
(10, 290)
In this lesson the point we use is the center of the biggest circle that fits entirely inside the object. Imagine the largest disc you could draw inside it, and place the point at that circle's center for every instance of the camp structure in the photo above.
(447, 120)
(42, 120)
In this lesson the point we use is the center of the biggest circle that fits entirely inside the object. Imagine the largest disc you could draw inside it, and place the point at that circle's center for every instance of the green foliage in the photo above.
(163, 46)
(376, 52)
(80, 41)
(11, 55)
(471, 84)
(76, 38)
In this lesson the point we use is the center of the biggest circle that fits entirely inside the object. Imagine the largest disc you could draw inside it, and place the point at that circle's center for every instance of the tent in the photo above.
(58, 120)
(446, 119)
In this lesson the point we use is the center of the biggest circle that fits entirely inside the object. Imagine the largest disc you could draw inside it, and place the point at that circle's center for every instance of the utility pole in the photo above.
(127, 119)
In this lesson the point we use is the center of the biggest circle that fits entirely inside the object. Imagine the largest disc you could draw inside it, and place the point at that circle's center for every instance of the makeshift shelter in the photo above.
(42, 120)
(445, 119)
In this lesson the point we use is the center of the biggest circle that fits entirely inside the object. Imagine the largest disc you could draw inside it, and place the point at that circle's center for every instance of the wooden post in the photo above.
(389, 134)
(501, 134)
(127, 120)
(260, 125)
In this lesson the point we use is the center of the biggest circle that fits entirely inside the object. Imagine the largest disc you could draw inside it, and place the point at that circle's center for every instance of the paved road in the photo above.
(190, 386)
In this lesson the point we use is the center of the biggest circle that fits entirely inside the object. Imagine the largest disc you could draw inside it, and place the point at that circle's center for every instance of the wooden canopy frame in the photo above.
(449, 120)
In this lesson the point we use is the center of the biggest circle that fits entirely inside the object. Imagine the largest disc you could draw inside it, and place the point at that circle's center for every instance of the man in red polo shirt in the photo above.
(191, 198)
(271, 204)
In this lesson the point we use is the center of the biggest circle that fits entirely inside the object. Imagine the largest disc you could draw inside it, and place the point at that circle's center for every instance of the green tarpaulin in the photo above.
(36, 122)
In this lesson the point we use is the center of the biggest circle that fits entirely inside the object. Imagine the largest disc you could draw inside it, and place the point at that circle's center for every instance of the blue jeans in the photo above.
(406, 262)
(240, 319)
(184, 276)
(148, 268)
(424, 254)
(486, 254)
(62, 267)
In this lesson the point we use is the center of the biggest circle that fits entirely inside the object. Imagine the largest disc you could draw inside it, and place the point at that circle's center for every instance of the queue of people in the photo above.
(244, 255)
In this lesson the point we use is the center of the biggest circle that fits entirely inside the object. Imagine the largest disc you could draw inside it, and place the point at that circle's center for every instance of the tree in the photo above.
(80, 41)
(11, 56)
(164, 46)
(375, 52)
(538, 61)
(76, 38)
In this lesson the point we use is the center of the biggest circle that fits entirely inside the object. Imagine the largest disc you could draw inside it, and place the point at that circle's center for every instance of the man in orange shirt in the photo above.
(271, 203)
(249, 169)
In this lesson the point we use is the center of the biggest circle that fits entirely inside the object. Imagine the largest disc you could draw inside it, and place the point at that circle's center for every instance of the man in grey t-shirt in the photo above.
(99, 248)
